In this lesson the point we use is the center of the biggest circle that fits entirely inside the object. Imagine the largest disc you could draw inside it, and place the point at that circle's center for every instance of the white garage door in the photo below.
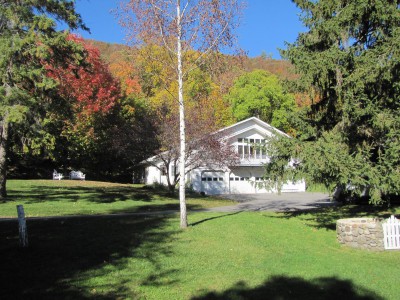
(240, 185)
(213, 183)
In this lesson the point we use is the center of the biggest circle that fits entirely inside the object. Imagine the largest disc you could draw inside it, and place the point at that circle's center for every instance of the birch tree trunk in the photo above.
(182, 196)
(202, 26)
(3, 157)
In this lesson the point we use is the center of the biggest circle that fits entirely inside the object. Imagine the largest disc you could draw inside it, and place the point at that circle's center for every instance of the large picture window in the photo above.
(251, 148)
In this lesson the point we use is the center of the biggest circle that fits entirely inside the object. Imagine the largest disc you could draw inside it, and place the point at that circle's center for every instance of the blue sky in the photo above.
(266, 24)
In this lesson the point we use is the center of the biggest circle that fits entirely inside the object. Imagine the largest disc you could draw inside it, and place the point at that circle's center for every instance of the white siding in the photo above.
(243, 179)
(152, 175)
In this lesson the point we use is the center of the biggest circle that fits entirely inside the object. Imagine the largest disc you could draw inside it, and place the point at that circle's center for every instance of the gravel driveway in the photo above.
(274, 202)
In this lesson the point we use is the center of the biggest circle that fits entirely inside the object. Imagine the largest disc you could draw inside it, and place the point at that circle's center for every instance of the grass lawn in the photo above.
(71, 197)
(247, 255)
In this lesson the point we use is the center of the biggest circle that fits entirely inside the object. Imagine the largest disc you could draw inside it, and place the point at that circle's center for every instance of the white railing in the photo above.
(391, 233)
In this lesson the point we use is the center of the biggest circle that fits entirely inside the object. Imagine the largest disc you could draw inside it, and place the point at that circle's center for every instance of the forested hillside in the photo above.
(117, 110)
(282, 68)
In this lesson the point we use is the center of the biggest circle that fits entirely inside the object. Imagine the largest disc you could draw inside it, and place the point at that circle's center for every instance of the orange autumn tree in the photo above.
(122, 67)
(90, 93)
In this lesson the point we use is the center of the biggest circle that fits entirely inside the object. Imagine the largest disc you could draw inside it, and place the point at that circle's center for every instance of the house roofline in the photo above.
(261, 122)
(149, 160)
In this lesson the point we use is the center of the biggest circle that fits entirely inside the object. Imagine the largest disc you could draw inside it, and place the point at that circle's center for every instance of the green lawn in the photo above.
(247, 255)
(68, 197)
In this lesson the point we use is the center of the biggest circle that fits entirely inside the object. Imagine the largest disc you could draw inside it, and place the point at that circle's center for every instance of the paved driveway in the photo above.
(274, 202)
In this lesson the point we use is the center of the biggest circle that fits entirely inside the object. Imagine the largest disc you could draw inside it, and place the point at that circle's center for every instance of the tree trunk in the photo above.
(182, 199)
(3, 157)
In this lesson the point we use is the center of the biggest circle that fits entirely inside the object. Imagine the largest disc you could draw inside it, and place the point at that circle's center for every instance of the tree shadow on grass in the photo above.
(142, 199)
(282, 288)
(95, 194)
(213, 218)
(40, 194)
(65, 253)
(327, 217)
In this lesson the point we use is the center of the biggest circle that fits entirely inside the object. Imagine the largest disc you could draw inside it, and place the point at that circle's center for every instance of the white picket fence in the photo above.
(391, 233)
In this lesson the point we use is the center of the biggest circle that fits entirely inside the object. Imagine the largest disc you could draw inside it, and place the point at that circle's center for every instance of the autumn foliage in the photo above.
(91, 88)
(123, 69)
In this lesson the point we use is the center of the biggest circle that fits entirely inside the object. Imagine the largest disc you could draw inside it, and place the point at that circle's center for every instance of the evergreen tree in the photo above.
(350, 59)
(28, 42)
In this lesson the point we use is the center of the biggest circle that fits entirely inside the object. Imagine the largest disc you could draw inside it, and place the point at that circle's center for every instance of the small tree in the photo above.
(180, 27)
(204, 147)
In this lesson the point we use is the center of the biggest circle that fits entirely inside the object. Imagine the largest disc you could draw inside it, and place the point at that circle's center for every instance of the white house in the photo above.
(243, 178)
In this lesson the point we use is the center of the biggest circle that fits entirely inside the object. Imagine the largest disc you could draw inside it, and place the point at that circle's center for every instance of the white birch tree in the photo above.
(182, 27)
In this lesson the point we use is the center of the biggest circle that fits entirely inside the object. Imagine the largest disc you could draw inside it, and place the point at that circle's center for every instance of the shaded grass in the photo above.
(63, 252)
(67, 197)
(247, 255)
(326, 217)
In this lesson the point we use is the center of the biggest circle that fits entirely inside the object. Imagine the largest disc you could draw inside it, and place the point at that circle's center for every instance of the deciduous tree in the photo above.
(180, 27)
(204, 145)
(123, 68)
(260, 93)
(90, 88)
(105, 131)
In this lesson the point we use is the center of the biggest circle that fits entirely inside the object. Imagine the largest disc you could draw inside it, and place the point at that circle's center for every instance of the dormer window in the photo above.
(251, 148)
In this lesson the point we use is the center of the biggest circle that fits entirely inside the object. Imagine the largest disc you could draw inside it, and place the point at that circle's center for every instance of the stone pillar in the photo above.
(363, 233)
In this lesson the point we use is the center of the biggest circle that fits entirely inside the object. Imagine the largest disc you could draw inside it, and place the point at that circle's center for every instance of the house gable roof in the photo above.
(248, 124)
(237, 129)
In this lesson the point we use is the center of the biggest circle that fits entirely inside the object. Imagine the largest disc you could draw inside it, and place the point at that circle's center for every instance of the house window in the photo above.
(240, 150)
(173, 170)
(251, 148)
(246, 151)
(212, 179)
(252, 152)
(163, 170)
(258, 153)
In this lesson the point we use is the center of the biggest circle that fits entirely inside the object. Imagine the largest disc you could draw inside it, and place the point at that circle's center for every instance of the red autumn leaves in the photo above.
(91, 88)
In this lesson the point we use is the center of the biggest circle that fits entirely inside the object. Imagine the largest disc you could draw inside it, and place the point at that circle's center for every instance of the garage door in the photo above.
(213, 183)
(240, 185)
